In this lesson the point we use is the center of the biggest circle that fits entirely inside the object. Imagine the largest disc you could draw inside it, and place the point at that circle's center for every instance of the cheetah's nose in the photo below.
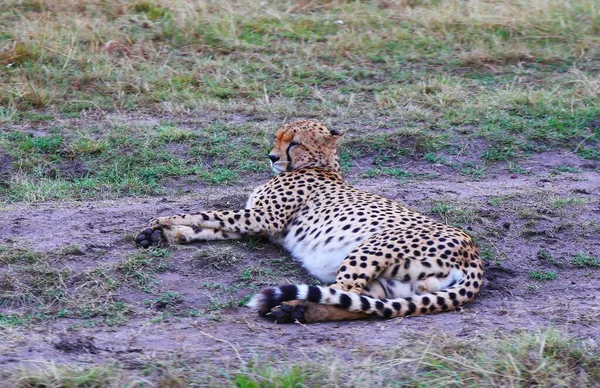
(273, 158)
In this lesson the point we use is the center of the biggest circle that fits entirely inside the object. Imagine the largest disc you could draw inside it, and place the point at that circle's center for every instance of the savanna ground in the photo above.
(482, 114)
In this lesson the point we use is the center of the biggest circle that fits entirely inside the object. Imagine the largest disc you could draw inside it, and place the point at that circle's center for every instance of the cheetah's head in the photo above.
(305, 144)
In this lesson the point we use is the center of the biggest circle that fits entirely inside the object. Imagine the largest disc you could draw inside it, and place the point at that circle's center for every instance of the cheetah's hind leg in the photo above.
(304, 311)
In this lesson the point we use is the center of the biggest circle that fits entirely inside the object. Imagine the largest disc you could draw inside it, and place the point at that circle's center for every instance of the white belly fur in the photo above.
(322, 262)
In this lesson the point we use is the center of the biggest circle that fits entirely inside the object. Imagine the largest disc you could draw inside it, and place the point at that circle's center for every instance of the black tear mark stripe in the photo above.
(287, 152)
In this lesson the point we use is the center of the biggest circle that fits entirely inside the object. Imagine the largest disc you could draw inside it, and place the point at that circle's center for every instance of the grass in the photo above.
(257, 274)
(41, 286)
(227, 303)
(141, 268)
(121, 160)
(399, 174)
(543, 358)
(50, 374)
(217, 257)
(453, 214)
(249, 279)
(291, 43)
(583, 260)
(473, 170)
(168, 299)
(518, 77)
(271, 377)
(543, 275)
(569, 202)
(38, 287)
(560, 169)
(545, 256)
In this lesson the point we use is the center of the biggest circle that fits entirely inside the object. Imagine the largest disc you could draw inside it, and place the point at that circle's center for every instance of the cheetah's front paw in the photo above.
(161, 235)
(150, 237)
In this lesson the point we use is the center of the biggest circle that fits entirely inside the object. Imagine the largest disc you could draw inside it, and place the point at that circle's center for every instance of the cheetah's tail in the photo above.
(444, 300)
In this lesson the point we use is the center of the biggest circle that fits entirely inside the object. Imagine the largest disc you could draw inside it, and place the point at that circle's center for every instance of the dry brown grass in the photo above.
(542, 359)
(181, 55)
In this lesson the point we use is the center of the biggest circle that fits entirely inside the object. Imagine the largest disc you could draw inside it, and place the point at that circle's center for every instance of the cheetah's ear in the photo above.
(336, 136)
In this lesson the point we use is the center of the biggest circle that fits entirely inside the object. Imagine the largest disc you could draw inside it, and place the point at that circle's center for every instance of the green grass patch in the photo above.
(219, 176)
(497, 154)
(12, 320)
(39, 286)
(398, 173)
(257, 275)
(589, 153)
(453, 214)
(543, 275)
(560, 169)
(140, 269)
(18, 255)
(270, 377)
(569, 201)
(126, 160)
(166, 300)
(585, 260)
(227, 303)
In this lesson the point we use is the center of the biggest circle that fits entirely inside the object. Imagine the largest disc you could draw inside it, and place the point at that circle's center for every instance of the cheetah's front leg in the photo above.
(181, 234)
(213, 225)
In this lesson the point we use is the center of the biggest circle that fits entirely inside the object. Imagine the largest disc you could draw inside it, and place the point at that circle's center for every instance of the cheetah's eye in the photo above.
(294, 143)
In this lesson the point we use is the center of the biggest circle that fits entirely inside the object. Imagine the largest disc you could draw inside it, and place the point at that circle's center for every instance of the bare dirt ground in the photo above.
(513, 218)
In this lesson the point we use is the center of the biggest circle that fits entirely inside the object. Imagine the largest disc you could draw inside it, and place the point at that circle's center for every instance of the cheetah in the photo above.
(382, 258)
